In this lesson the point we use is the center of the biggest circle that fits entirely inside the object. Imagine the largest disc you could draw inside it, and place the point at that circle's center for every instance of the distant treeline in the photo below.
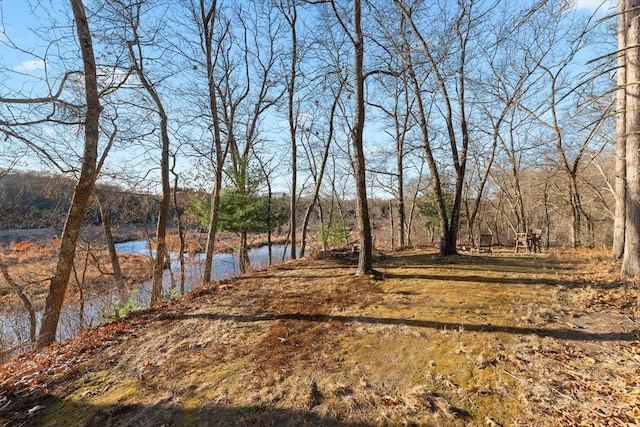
(33, 200)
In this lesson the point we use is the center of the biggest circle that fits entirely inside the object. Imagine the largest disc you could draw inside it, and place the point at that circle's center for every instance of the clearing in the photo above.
(473, 340)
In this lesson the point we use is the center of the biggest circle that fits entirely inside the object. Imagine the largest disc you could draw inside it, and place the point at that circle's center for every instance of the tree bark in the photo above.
(631, 257)
(84, 187)
(208, 17)
(617, 249)
(111, 247)
(243, 254)
(365, 260)
(163, 216)
(181, 232)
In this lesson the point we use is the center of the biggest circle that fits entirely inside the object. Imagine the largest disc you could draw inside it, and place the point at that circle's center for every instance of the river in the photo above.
(15, 328)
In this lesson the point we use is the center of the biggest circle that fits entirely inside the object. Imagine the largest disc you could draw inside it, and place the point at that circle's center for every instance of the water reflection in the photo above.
(73, 318)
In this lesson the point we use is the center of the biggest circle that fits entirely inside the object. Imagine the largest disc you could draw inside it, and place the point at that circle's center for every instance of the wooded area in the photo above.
(458, 118)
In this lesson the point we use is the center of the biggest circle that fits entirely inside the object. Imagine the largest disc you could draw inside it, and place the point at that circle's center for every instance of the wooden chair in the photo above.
(536, 238)
(522, 241)
(484, 245)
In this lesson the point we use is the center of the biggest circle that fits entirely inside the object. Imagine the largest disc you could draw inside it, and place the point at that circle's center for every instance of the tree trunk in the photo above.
(631, 257)
(619, 216)
(165, 202)
(181, 249)
(208, 19)
(292, 129)
(392, 225)
(270, 220)
(25, 301)
(243, 254)
(163, 216)
(84, 187)
(365, 261)
(111, 248)
(402, 218)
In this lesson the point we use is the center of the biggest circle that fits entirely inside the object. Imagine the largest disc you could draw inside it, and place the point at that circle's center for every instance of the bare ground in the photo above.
(486, 340)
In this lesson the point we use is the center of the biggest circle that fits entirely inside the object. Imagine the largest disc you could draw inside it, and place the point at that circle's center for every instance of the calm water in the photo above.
(14, 329)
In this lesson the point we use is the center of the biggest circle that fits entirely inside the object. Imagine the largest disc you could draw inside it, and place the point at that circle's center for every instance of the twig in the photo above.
(514, 376)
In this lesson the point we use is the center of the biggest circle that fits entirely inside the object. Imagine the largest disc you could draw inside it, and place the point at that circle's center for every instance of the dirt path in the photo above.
(491, 340)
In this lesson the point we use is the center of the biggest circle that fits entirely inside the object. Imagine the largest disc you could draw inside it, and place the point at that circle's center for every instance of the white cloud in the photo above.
(593, 5)
(29, 66)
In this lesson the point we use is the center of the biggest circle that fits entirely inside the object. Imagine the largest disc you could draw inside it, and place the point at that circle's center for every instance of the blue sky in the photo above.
(17, 20)
(593, 5)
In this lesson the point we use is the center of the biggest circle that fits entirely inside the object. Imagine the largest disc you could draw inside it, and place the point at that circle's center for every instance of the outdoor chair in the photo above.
(522, 241)
(484, 245)
(536, 238)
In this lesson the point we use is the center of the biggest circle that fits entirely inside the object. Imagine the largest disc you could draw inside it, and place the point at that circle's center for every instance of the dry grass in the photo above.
(493, 340)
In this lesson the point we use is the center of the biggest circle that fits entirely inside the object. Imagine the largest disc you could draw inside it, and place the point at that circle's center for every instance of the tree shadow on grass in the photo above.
(528, 262)
(453, 279)
(502, 270)
(562, 333)
(168, 413)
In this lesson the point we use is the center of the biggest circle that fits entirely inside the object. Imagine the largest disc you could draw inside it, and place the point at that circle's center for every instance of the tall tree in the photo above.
(356, 37)
(631, 257)
(318, 171)
(212, 28)
(249, 87)
(617, 249)
(454, 111)
(288, 8)
(84, 187)
(128, 15)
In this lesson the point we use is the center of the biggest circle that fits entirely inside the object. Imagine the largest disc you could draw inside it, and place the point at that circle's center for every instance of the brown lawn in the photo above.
(474, 340)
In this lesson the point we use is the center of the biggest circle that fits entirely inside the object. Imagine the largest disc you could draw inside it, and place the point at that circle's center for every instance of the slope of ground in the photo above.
(491, 340)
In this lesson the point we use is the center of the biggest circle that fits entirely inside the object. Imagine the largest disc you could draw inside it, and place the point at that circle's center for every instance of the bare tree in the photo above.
(456, 124)
(318, 171)
(127, 16)
(249, 86)
(212, 30)
(84, 187)
(619, 221)
(28, 305)
(111, 248)
(631, 257)
(356, 37)
(289, 10)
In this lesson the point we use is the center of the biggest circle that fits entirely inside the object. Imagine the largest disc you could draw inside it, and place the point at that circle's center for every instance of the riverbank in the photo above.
(195, 242)
(88, 233)
(92, 295)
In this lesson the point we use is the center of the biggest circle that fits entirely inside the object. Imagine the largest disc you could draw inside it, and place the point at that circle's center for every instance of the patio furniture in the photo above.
(484, 245)
(536, 238)
(523, 240)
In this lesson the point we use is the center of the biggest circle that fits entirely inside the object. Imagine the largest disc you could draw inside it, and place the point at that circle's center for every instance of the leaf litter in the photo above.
(492, 340)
